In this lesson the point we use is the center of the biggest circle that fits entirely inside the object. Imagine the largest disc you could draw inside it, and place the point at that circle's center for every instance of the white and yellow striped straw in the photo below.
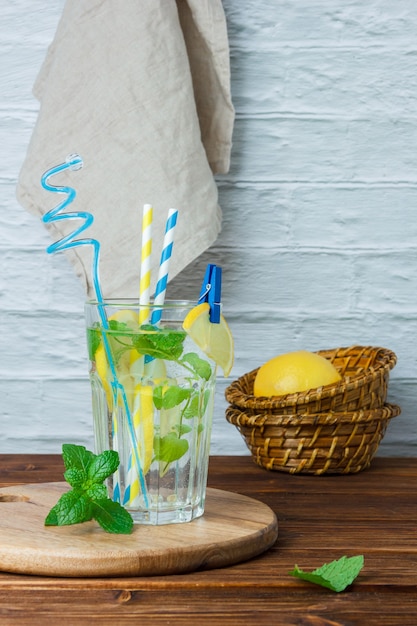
(145, 265)
(136, 367)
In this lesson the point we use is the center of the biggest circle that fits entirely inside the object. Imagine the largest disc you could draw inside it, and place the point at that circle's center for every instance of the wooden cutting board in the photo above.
(234, 528)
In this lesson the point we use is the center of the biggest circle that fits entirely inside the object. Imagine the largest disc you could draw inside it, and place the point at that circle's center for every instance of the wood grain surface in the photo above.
(320, 518)
(233, 528)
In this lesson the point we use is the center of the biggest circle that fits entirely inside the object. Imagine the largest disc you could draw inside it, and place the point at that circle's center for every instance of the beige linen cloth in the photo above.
(141, 90)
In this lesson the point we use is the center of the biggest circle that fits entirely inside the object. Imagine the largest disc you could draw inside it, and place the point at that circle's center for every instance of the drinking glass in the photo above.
(152, 399)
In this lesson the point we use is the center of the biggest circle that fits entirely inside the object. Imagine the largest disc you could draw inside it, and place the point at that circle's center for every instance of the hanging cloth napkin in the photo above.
(141, 90)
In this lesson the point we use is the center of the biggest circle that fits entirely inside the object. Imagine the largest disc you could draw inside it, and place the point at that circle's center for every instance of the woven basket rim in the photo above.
(261, 420)
(348, 383)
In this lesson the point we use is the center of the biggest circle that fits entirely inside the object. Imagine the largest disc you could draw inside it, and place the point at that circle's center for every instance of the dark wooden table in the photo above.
(321, 518)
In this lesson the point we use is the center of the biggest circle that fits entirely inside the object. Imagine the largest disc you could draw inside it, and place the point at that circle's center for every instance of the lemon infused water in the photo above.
(152, 399)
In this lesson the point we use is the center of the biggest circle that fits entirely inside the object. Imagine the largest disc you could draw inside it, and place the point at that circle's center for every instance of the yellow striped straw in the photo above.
(145, 265)
(137, 364)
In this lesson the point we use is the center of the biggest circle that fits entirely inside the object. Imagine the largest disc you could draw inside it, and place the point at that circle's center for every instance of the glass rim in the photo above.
(134, 303)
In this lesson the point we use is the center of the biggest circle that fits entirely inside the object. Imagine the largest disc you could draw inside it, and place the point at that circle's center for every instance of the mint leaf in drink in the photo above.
(200, 366)
(85, 472)
(118, 327)
(336, 575)
(169, 448)
(158, 344)
(170, 397)
(158, 394)
(182, 429)
(177, 403)
(193, 408)
(93, 341)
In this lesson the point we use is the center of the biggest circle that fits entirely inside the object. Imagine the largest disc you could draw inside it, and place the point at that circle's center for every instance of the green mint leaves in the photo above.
(336, 575)
(87, 499)
(200, 366)
(160, 345)
(177, 404)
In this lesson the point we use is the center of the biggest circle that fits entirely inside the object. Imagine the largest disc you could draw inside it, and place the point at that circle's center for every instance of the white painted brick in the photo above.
(286, 148)
(45, 281)
(19, 265)
(319, 239)
(42, 342)
(17, 127)
(402, 432)
(45, 414)
(18, 227)
(390, 289)
(359, 81)
(365, 216)
(291, 281)
(277, 335)
(265, 24)
(315, 215)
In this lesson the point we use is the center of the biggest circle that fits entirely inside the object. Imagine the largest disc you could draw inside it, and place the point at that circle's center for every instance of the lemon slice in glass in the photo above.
(122, 371)
(143, 419)
(126, 365)
(215, 340)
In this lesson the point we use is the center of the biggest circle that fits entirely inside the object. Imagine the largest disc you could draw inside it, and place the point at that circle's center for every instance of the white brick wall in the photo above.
(319, 234)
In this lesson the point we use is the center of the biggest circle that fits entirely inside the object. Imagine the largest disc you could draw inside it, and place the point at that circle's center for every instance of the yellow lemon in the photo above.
(144, 431)
(103, 372)
(122, 369)
(143, 420)
(293, 372)
(126, 316)
(215, 340)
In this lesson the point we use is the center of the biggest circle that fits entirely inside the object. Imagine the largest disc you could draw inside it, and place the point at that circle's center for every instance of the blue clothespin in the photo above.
(211, 291)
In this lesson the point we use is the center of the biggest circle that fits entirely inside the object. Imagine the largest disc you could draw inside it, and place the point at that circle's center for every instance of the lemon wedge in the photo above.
(215, 340)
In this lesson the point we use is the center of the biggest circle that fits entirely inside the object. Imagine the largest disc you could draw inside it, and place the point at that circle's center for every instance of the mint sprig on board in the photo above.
(336, 575)
(88, 499)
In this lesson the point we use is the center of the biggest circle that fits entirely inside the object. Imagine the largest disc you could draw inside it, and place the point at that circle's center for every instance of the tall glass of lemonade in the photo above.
(152, 396)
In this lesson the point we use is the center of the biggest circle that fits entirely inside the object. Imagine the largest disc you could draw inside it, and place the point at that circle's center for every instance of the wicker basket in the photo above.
(364, 370)
(338, 443)
(333, 429)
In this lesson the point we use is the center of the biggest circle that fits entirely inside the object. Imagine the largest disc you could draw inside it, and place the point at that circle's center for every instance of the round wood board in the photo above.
(234, 528)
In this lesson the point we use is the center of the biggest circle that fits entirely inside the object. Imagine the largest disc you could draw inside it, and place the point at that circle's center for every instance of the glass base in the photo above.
(166, 515)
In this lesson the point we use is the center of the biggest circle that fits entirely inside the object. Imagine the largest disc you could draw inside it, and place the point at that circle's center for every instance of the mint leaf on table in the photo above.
(73, 507)
(336, 575)
(102, 466)
(87, 499)
(110, 515)
(76, 457)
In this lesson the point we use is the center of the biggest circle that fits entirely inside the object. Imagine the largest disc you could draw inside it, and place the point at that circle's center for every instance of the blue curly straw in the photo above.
(75, 162)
